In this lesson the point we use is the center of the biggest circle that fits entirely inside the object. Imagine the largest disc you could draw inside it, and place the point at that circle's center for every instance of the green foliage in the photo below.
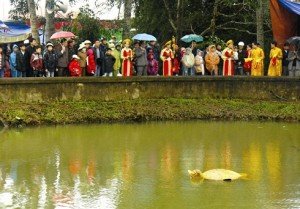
(20, 9)
(86, 26)
(214, 40)
(226, 19)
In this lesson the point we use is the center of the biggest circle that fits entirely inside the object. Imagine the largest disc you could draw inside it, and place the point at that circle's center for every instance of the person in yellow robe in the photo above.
(257, 57)
(275, 67)
(117, 56)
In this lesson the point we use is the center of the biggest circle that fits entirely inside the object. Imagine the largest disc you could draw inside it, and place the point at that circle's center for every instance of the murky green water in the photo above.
(145, 166)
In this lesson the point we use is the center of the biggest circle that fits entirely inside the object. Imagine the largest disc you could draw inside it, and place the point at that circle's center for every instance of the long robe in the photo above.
(275, 67)
(167, 56)
(126, 55)
(117, 65)
(228, 65)
(257, 56)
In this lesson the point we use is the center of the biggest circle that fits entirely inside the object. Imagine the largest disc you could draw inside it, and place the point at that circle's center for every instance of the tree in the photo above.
(86, 26)
(127, 18)
(33, 19)
(260, 23)
(129, 6)
(50, 21)
(50, 16)
(227, 19)
(20, 9)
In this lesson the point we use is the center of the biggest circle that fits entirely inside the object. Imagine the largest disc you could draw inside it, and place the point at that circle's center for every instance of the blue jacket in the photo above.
(13, 60)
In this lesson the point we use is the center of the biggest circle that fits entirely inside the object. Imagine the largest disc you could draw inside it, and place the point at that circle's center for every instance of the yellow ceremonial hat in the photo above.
(125, 41)
(229, 42)
(168, 43)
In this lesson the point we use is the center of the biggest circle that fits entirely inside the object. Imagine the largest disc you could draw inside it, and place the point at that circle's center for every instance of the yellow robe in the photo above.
(117, 64)
(275, 67)
(257, 56)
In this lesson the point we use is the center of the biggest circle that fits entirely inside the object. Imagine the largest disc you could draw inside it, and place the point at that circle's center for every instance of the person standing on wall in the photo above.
(109, 62)
(152, 68)
(71, 49)
(74, 67)
(141, 59)
(2, 62)
(91, 64)
(212, 60)
(63, 60)
(275, 67)
(127, 56)
(103, 50)
(242, 54)
(13, 62)
(98, 57)
(294, 62)
(285, 62)
(83, 58)
(257, 56)
(50, 61)
(28, 53)
(199, 63)
(188, 61)
(117, 55)
(21, 62)
(154, 49)
(36, 62)
(228, 57)
(248, 60)
(166, 56)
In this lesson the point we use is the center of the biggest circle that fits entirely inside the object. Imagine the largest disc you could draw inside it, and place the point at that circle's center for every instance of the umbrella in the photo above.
(294, 40)
(191, 37)
(144, 37)
(62, 34)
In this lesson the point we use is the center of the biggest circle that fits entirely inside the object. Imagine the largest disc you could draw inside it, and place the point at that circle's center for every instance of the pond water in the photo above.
(145, 166)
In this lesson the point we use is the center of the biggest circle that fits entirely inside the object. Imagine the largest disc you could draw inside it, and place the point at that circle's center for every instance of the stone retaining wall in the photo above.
(114, 89)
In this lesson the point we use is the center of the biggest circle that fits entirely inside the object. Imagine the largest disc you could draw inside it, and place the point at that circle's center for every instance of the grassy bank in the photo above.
(24, 114)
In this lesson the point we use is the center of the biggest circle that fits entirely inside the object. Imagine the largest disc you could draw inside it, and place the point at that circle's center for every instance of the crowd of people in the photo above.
(113, 58)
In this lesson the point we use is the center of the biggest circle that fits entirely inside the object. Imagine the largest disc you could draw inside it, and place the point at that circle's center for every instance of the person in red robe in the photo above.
(74, 67)
(127, 56)
(91, 64)
(228, 57)
(167, 57)
(176, 60)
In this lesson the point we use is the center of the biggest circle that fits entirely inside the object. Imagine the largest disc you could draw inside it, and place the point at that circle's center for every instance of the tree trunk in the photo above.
(260, 23)
(172, 22)
(212, 27)
(33, 20)
(179, 17)
(49, 29)
(127, 18)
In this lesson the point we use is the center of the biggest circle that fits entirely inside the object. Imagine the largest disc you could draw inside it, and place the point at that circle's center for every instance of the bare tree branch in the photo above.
(192, 29)
(169, 15)
(236, 29)
(240, 23)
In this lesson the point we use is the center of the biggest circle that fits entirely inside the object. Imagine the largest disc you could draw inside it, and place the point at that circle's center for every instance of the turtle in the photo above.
(216, 174)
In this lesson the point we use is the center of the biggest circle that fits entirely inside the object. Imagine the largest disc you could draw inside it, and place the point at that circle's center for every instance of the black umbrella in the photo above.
(294, 40)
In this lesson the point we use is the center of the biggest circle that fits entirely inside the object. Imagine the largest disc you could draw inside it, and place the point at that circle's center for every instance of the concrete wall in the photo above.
(112, 89)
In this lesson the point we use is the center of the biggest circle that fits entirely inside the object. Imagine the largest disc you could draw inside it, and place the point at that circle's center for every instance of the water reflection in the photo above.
(146, 166)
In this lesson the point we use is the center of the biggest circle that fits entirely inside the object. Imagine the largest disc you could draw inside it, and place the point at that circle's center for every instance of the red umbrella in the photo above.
(62, 34)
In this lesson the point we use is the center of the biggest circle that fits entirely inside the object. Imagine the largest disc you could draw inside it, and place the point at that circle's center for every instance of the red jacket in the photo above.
(75, 69)
(36, 61)
(91, 64)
